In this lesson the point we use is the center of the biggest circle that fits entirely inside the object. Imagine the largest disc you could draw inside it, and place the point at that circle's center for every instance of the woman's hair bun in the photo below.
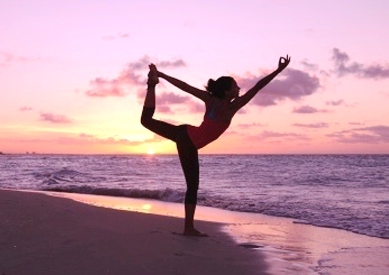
(211, 86)
(218, 87)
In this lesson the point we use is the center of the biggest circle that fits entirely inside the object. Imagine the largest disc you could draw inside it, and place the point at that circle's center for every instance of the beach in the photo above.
(60, 233)
(41, 234)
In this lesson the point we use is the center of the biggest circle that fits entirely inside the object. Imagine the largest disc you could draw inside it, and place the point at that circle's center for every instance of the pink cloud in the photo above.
(104, 88)
(172, 98)
(195, 107)
(91, 139)
(133, 75)
(82, 135)
(173, 64)
(191, 107)
(380, 131)
(114, 37)
(124, 35)
(251, 125)
(307, 110)
(312, 125)
(166, 102)
(7, 58)
(335, 102)
(291, 84)
(25, 109)
(53, 118)
(164, 109)
(310, 66)
(343, 67)
(277, 135)
(369, 135)
(143, 63)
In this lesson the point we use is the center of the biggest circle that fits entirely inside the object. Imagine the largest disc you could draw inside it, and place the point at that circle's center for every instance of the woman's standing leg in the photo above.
(188, 155)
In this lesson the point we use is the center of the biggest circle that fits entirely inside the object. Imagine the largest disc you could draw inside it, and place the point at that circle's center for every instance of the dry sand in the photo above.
(40, 234)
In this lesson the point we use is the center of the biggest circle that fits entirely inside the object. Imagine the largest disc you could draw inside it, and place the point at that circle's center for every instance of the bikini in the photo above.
(209, 130)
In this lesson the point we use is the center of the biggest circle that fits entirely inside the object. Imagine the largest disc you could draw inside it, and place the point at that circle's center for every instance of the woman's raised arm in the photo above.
(203, 95)
(244, 99)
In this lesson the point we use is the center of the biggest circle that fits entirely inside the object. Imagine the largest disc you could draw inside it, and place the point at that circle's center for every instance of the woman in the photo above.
(222, 101)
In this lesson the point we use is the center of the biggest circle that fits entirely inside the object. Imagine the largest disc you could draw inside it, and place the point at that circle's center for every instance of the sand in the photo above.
(41, 234)
(54, 233)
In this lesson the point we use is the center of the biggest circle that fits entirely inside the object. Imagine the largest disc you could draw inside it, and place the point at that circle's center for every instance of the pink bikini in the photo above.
(208, 131)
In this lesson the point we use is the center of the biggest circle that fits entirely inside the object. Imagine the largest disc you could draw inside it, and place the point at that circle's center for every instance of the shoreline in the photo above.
(277, 245)
(289, 247)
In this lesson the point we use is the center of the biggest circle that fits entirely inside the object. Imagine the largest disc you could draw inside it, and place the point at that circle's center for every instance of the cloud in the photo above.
(53, 118)
(369, 135)
(133, 75)
(114, 37)
(381, 132)
(312, 125)
(356, 123)
(167, 101)
(343, 66)
(91, 139)
(105, 87)
(173, 64)
(172, 98)
(293, 84)
(335, 102)
(309, 66)
(251, 125)
(307, 110)
(277, 135)
(25, 108)
(7, 58)
(143, 63)
(195, 107)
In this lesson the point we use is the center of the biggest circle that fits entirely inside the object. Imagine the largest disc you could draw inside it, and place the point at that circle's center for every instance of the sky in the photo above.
(73, 74)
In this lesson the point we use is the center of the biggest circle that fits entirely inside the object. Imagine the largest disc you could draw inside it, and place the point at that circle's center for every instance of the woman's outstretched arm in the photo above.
(244, 99)
(203, 95)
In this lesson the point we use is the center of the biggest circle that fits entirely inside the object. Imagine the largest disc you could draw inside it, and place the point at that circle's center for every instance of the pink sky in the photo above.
(72, 74)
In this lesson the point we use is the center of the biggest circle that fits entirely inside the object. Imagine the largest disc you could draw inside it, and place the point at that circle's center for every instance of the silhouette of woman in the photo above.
(222, 101)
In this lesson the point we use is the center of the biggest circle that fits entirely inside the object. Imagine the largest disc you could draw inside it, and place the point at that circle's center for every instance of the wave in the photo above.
(168, 195)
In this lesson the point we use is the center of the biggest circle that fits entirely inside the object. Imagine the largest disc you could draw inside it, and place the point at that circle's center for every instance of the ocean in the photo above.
(349, 192)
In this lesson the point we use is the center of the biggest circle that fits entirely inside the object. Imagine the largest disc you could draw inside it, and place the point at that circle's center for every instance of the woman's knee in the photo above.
(144, 121)
(147, 116)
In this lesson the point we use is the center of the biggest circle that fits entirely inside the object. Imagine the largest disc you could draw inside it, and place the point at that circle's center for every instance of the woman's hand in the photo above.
(283, 63)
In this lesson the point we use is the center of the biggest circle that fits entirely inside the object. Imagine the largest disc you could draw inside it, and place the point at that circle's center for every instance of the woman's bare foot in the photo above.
(153, 75)
(193, 232)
